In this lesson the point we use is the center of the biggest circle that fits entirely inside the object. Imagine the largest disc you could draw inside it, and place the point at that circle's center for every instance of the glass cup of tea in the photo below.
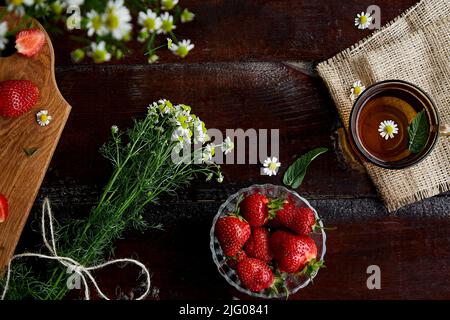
(394, 125)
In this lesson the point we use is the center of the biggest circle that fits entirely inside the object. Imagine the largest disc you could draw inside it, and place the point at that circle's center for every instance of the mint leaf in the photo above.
(293, 177)
(418, 132)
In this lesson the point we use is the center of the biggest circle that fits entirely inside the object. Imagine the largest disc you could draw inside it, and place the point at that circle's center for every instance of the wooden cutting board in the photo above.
(21, 175)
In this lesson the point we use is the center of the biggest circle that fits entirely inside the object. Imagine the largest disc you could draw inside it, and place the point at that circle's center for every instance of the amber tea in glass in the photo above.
(390, 107)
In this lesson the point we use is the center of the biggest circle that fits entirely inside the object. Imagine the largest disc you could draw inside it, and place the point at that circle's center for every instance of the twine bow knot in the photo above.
(75, 266)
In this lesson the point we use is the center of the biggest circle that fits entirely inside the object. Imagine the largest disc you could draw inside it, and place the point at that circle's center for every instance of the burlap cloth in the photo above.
(415, 47)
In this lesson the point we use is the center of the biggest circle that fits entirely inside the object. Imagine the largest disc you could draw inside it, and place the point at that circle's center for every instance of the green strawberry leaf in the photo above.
(294, 175)
(418, 132)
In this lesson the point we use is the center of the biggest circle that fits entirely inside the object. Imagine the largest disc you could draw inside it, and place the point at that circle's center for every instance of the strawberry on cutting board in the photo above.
(232, 233)
(255, 274)
(294, 253)
(17, 97)
(4, 209)
(29, 42)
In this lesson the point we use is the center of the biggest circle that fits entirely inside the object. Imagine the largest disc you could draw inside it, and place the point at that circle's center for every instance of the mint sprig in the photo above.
(294, 175)
(418, 132)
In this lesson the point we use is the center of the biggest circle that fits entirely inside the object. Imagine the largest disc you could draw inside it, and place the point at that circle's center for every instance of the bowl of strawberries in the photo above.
(267, 241)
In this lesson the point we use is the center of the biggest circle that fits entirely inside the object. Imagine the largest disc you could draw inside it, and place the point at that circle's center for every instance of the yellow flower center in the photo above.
(357, 90)
(112, 21)
(44, 118)
(167, 25)
(149, 23)
(273, 166)
(182, 51)
(389, 129)
(17, 2)
(97, 22)
(363, 19)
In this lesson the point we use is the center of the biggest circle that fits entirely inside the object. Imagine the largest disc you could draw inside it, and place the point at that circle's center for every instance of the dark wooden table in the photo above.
(241, 75)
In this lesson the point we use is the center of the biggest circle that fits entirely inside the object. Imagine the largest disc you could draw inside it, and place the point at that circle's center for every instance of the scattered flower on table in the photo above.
(99, 53)
(18, 6)
(43, 118)
(187, 16)
(95, 24)
(168, 4)
(149, 21)
(271, 166)
(388, 129)
(182, 48)
(3, 32)
(356, 90)
(118, 19)
(114, 22)
(166, 23)
(363, 20)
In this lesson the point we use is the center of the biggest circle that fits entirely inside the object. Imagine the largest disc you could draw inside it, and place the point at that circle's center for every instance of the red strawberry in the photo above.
(233, 261)
(300, 220)
(293, 253)
(254, 209)
(17, 97)
(304, 221)
(29, 42)
(255, 274)
(258, 246)
(3, 208)
(232, 233)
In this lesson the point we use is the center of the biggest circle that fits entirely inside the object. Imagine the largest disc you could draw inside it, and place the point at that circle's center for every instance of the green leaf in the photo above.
(418, 132)
(294, 175)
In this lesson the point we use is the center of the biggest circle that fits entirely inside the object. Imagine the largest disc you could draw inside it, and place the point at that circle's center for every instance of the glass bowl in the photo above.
(293, 282)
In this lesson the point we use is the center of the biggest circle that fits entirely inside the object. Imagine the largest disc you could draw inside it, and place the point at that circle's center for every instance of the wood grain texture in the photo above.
(21, 175)
(225, 95)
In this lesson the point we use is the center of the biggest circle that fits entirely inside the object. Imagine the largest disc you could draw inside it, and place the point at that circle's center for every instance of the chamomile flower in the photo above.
(153, 58)
(43, 118)
(208, 152)
(356, 90)
(149, 21)
(166, 23)
(271, 166)
(117, 19)
(187, 16)
(168, 4)
(220, 177)
(227, 146)
(99, 53)
(363, 20)
(388, 129)
(18, 6)
(182, 48)
(95, 24)
(114, 129)
(3, 32)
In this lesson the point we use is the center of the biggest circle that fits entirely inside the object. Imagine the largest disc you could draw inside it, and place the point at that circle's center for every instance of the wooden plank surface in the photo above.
(241, 75)
(21, 175)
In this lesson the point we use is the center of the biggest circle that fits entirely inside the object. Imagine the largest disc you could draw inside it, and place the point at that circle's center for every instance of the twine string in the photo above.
(82, 271)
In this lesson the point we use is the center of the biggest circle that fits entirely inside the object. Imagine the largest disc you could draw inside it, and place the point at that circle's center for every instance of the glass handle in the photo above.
(444, 130)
